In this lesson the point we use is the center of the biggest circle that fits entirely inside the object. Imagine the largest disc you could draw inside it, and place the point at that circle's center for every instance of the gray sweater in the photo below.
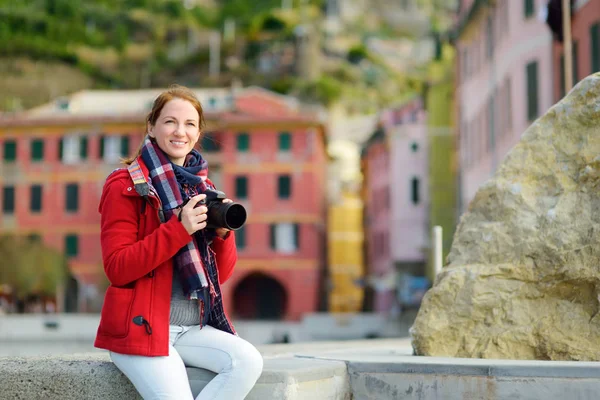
(183, 311)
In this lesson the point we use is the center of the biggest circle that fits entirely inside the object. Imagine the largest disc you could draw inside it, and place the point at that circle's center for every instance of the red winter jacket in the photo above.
(137, 251)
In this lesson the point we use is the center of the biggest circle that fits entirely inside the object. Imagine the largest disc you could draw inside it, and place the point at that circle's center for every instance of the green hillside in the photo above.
(50, 48)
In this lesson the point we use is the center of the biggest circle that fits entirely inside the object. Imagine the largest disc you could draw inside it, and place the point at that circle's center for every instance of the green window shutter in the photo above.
(285, 141)
(284, 186)
(34, 238)
(209, 143)
(10, 151)
(595, 43)
(101, 147)
(8, 199)
(415, 196)
(35, 202)
(529, 8)
(532, 91)
(83, 147)
(125, 146)
(72, 197)
(241, 187)
(243, 142)
(37, 150)
(297, 236)
(61, 146)
(240, 237)
(71, 245)
(272, 236)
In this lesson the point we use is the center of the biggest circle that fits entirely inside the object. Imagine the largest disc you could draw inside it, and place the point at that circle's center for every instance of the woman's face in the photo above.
(177, 129)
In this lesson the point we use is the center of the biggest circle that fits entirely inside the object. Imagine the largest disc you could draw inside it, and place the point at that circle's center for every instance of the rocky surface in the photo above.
(523, 274)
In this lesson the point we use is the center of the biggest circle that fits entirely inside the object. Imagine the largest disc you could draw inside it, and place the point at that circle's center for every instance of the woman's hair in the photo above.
(173, 92)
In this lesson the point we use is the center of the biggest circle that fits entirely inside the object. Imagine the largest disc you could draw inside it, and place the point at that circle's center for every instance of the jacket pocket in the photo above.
(116, 312)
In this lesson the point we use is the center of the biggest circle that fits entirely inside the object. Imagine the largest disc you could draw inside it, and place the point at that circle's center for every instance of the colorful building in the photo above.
(263, 151)
(504, 82)
(345, 258)
(585, 32)
(396, 197)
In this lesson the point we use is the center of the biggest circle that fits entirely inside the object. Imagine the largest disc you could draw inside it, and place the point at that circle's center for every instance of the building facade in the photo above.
(395, 171)
(504, 82)
(585, 32)
(262, 151)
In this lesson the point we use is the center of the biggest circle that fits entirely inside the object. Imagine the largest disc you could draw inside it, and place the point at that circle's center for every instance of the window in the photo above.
(101, 144)
(529, 8)
(595, 43)
(285, 237)
(491, 123)
(489, 43)
(241, 187)
(240, 238)
(532, 91)
(10, 151)
(72, 197)
(72, 149)
(8, 199)
(34, 238)
(243, 142)
(284, 186)
(124, 146)
(212, 102)
(209, 143)
(35, 200)
(285, 141)
(37, 150)
(71, 245)
(83, 148)
(414, 190)
(112, 148)
(414, 147)
(508, 105)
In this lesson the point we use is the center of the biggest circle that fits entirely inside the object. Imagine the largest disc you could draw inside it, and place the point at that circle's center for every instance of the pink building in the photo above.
(394, 162)
(504, 82)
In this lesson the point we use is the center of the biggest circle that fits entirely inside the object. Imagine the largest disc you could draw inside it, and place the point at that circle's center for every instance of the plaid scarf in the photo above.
(195, 262)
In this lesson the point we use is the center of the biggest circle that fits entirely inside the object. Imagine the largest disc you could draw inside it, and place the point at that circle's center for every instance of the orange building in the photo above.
(263, 151)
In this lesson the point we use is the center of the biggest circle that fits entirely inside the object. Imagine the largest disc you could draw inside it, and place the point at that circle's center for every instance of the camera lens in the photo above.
(235, 216)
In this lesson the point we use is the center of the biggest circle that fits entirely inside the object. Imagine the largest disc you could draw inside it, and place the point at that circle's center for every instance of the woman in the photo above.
(163, 310)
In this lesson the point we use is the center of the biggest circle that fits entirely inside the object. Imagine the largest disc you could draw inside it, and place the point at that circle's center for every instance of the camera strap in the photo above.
(141, 185)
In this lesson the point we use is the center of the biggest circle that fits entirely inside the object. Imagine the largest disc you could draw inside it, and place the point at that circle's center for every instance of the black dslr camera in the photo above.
(222, 215)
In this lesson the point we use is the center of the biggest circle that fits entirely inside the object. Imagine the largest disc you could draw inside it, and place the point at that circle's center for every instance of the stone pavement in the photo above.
(368, 369)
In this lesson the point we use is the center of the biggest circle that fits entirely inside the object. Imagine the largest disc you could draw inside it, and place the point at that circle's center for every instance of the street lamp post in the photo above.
(568, 45)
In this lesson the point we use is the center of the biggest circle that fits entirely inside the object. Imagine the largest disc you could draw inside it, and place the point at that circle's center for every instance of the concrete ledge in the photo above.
(388, 374)
(378, 369)
(94, 376)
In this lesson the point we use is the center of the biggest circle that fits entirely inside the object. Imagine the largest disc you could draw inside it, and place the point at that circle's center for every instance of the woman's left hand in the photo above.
(221, 232)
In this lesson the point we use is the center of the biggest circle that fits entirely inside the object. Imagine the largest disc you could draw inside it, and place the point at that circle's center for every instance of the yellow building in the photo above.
(345, 253)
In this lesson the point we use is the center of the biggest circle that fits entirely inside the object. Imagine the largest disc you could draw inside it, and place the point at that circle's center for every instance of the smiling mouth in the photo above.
(178, 143)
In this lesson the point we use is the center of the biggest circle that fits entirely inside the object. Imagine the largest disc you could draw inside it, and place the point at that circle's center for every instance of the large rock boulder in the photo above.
(523, 274)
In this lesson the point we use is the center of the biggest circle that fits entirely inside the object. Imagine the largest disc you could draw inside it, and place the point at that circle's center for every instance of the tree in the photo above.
(29, 267)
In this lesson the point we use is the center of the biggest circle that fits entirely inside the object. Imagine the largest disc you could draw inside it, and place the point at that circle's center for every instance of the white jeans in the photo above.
(237, 363)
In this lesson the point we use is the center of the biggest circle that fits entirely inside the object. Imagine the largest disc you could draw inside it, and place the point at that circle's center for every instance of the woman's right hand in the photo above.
(193, 218)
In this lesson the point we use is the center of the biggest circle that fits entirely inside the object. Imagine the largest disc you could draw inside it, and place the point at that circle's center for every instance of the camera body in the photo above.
(222, 215)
